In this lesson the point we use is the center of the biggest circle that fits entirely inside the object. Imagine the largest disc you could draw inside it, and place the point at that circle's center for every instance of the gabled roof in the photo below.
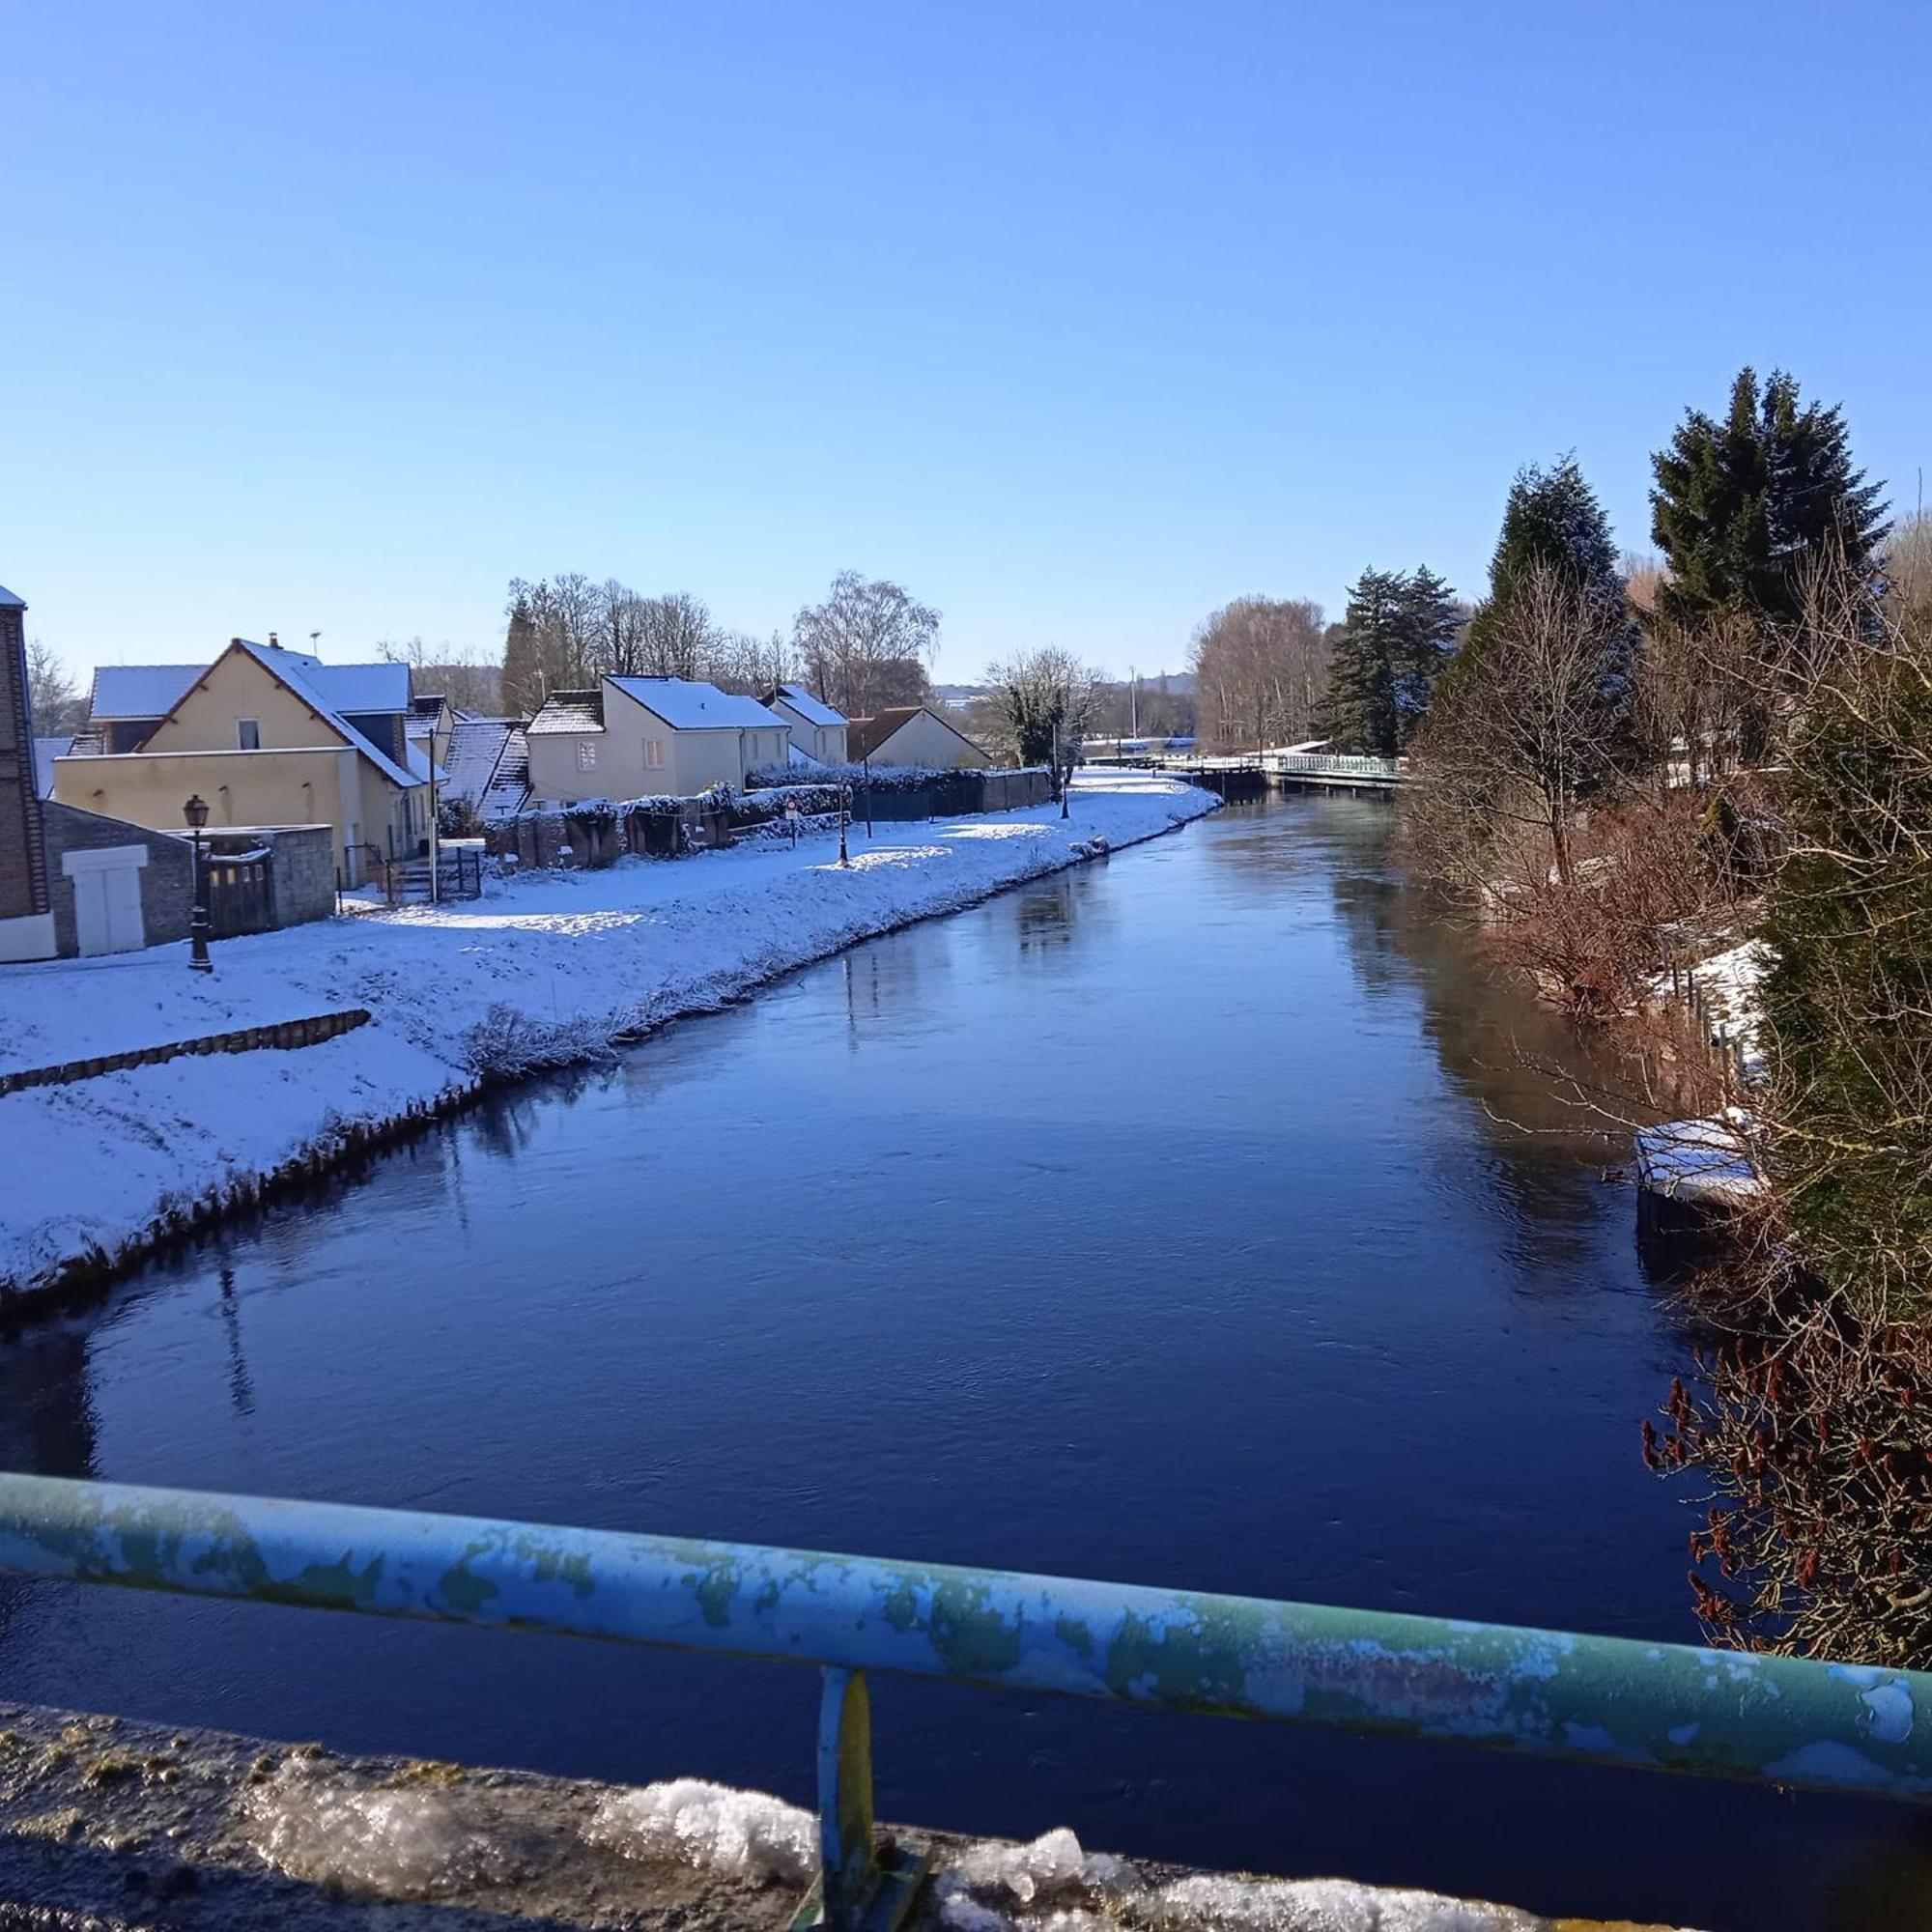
(813, 710)
(864, 735)
(687, 705)
(571, 712)
(10, 601)
(509, 788)
(140, 691)
(132, 691)
(340, 688)
(476, 746)
(331, 690)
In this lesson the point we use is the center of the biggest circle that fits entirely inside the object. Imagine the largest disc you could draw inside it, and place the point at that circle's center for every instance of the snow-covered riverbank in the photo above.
(544, 970)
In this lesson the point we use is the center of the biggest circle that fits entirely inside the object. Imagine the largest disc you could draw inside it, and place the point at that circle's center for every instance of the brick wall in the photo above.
(23, 880)
(167, 879)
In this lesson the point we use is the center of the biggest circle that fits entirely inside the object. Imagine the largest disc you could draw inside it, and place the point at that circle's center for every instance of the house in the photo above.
(486, 769)
(912, 734)
(640, 737)
(73, 882)
(817, 729)
(431, 719)
(267, 737)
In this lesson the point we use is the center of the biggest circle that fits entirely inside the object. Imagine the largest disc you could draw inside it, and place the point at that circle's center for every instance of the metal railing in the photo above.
(1339, 764)
(1654, 1706)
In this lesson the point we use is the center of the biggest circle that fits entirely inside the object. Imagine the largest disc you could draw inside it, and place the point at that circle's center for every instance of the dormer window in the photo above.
(248, 734)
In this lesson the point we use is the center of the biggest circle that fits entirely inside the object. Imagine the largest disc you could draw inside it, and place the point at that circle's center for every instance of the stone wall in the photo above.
(301, 866)
(167, 878)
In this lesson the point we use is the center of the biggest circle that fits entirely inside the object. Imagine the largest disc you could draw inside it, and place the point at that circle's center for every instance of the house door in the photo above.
(107, 898)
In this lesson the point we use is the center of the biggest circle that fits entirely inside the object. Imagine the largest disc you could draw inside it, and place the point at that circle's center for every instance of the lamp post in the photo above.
(844, 820)
(195, 812)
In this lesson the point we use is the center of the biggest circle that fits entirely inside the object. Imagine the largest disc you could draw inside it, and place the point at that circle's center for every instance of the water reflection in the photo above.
(1159, 1220)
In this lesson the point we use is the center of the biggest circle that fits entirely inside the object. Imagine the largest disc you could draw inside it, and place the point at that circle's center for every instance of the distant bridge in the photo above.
(1250, 773)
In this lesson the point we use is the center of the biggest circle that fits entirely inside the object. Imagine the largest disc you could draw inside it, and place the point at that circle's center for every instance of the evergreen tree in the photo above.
(1361, 712)
(1745, 507)
(522, 668)
(1553, 518)
(1848, 1022)
(1429, 619)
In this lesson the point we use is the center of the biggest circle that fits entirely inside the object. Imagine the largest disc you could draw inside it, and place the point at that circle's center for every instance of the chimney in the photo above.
(274, 643)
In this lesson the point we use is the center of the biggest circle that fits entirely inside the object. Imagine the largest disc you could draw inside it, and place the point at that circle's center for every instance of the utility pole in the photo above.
(1133, 702)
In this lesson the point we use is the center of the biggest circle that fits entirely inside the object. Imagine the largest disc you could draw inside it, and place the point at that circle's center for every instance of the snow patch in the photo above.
(745, 1835)
(306, 1821)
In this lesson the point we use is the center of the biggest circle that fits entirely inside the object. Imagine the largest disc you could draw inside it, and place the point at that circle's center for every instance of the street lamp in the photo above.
(195, 812)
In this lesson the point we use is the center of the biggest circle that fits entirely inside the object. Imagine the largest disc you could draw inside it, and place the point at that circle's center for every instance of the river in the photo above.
(1172, 1220)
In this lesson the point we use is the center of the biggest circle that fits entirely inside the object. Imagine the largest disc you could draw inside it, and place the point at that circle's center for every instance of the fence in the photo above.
(285, 1035)
(596, 834)
(239, 892)
(1783, 1720)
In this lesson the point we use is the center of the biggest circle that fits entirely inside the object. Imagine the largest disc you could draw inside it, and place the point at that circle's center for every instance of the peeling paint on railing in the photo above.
(1661, 1707)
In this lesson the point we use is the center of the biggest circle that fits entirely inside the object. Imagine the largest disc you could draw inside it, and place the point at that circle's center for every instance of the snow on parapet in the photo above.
(314, 1824)
(744, 1834)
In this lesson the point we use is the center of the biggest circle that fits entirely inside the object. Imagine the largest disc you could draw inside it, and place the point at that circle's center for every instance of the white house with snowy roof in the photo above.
(639, 737)
(267, 737)
(816, 728)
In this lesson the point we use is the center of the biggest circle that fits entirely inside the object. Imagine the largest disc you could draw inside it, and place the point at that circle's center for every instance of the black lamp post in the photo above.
(195, 812)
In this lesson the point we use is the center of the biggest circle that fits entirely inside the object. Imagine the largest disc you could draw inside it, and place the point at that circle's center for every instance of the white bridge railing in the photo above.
(1335, 764)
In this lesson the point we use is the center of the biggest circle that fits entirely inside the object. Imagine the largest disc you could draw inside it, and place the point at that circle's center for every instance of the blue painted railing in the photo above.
(1658, 1707)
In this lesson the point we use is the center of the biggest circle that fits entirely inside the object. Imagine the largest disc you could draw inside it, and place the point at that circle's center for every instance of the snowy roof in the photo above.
(509, 788)
(331, 690)
(345, 688)
(475, 745)
(686, 705)
(569, 711)
(45, 752)
(141, 691)
(426, 704)
(815, 711)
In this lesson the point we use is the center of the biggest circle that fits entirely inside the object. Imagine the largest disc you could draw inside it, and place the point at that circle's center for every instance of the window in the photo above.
(587, 754)
(654, 754)
(248, 734)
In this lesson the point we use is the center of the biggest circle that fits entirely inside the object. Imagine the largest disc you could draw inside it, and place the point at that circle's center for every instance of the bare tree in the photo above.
(1047, 701)
(467, 680)
(1261, 666)
(1532, 728)
(866, 647)
(58, 704)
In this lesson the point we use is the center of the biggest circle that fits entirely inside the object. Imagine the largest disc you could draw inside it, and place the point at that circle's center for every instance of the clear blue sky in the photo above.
(1076, 319)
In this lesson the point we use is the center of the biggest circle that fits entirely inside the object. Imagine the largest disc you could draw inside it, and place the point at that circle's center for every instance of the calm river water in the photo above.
(1156, 1222)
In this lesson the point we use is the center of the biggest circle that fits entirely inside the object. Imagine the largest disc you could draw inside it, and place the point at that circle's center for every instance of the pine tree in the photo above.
(522, 670)
(1552, 517)
(1429, 619)
(1743, 509)
(1361, 712)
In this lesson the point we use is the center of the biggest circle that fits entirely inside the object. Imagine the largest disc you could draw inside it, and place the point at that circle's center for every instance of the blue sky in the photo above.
(1076, 319)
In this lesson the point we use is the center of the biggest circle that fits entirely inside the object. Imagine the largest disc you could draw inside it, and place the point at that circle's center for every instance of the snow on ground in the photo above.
(1729, 982)
(543, 970)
